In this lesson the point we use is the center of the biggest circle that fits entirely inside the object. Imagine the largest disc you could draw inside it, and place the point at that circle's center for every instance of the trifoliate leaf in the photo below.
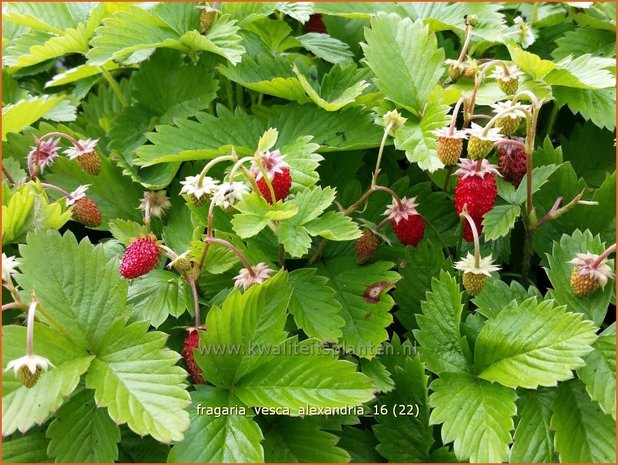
(245, 323)
(81, 432)
(594, 306)
(84, 294)
(442, 345)
(135, 376)
(215, 437)
(366, 319)
(396, 49)
(314, 306)
(532, 344)
(583, 432)
(22, 408)
(476, 415)
(255, 214)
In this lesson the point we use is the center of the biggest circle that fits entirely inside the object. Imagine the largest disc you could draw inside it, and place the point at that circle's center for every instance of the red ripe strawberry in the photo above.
(409, 231)
(281, 183)
(408, 225)
(475, 189)
(315, 24)
(278, 172)
(140, 258)
(192, 342)
(86, 212)
(512, 163)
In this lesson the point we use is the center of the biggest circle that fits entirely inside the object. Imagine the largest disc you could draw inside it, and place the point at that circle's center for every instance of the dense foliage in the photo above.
(308, 232)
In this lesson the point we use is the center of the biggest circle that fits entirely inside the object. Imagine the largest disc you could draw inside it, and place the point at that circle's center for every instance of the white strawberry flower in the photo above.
(500, 107)
(478, 131)
(8, 266)
(30, 362)
(156, 202)
(88, 146)
(77, 194)
(229, 193)
(272, 162)
(245, 280)
(467, 168)
(401, 212)
(446, 133)
(511, 72)
(467, 265)
(585, 261)
(192, 186)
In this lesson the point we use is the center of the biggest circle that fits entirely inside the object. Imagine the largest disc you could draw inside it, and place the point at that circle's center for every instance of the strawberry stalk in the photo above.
(475, 234)
(34, 169)
(7, 176)
(610, 250)
(387, 131)
(267, 180)
(471, 102)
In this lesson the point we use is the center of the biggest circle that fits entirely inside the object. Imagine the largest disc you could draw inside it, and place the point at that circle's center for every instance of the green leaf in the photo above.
(135, 376)
(47, 17)
(378, 373)
(337, 89)
(301, 155)
(314, 306)
(81, 432)
(172, 26)
(405, 436)
(255, 214)
(592, 105)
(442, 345)
(585, 40)
(499, 221)
(531, 63)
(593, 307)
(205, 138)
(583, 72)
(334, 226)
(294, 440)
(31, 448)
(475, 414)
(22, 408)
(599, 373)
(170, 88)
(423, 263)
(125, 230)
(158, 295)
(83, 296)
(396, 49)
(38, 46)
(360, 444)
(583, 432)
(17, 116)
(417, 137)
(533, 344)
(268, 74)
(28, 209)
(326, 47)
(540, 175)
(245, 322)
(300, 11)
(348, 129)
(365, 320)
(533, 441)
(78, 73)
(497, 295)
(296, 381)
(212, 438)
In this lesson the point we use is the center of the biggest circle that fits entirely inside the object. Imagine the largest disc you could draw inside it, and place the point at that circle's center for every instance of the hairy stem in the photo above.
(196, 301)
(30, 326)
(114, 85)
(387, 131)
(610, 250)
(475, 235)
(7, 176)
(236, 251)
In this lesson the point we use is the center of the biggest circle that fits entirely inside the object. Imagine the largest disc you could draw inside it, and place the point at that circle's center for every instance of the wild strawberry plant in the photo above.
(247, 232)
